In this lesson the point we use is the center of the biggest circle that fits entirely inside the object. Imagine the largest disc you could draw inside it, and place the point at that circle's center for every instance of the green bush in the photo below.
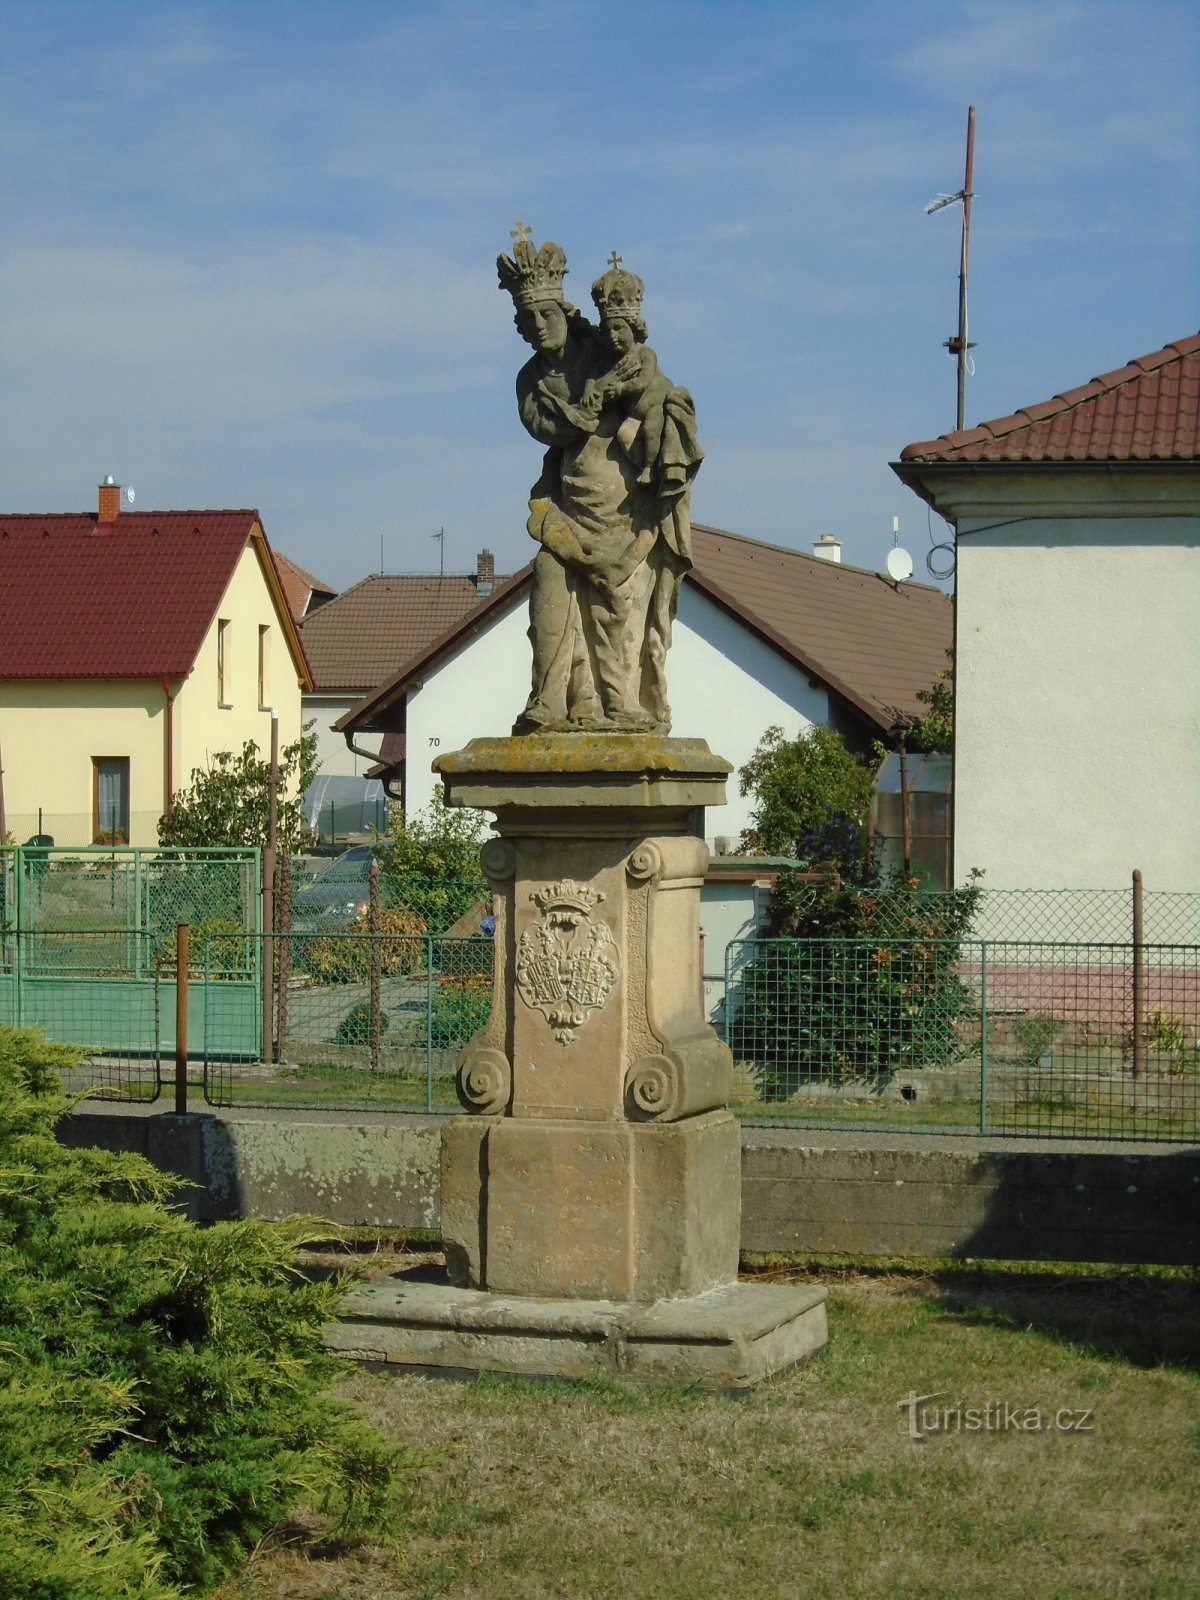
(431, 863)
(461, 1005)
(163, 1388)
(345, 957)
(856, 984)
(223, 940)
(355, 1026)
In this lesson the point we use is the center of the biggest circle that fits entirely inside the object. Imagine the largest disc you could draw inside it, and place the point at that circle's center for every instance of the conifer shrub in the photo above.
(355, 1026)
(164, 1394)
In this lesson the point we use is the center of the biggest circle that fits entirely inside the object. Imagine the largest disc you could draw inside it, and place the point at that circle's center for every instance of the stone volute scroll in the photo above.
(683, 1068)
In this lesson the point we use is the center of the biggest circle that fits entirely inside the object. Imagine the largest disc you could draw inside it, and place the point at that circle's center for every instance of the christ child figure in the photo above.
(634, 378)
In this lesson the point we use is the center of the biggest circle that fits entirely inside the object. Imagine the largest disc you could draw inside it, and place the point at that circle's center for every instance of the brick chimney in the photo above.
(110, 500)
(485, 572)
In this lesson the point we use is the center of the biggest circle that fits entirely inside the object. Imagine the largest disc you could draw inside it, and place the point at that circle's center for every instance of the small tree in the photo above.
(229, 801)
(812, 797)
(859, 978)
(934, 728)
(432, 864)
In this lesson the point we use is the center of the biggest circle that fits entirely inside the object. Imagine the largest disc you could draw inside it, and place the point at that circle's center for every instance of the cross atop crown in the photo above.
(530, 274)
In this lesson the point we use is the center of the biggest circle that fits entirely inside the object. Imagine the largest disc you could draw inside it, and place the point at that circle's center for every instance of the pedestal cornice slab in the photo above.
(555, 770)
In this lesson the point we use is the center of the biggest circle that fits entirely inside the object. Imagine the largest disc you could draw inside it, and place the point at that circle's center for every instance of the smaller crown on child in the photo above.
(531, 275)
(618, 293)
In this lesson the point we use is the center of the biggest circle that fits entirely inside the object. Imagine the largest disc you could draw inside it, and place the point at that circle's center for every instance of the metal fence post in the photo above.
(138, 923)
(429, 1022)
(182, 933)
(373, 1023)
(983, 1026)
(284, 914)
(1139, 980)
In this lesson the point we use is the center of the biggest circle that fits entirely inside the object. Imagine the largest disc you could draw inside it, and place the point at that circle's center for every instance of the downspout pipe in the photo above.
(168, 749)
(374, 758)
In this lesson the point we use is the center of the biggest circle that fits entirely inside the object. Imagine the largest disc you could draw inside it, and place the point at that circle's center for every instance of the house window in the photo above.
(223, 679)
(264, 667)
(110, 799)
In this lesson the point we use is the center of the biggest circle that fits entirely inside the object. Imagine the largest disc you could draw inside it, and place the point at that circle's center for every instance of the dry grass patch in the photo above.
(811, 1484)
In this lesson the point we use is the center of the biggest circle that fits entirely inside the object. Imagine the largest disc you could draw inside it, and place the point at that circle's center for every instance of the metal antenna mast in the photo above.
(440, 536)
(958, 344)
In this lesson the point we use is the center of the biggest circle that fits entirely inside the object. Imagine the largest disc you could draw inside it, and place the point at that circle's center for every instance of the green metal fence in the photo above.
(1037, 1039)
(100, 989)
(1099, 916)
(87, 950)
(360, 1021)
(58, 890)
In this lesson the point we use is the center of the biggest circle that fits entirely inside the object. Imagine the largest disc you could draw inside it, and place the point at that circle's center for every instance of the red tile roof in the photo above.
(358, 639)
(302, 591)
(873, 642)
(1148, 410)
(128, 599)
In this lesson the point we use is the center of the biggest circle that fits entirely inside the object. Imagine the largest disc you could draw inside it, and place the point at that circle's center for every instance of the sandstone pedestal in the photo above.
(591, 1195)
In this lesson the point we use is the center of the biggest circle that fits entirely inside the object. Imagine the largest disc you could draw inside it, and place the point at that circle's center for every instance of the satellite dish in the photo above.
(130, 497)
(899, 564)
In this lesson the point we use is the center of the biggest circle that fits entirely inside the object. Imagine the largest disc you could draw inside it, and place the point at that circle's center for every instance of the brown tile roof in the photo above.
(128, 599)
(301, 590)
(359, 638)
(872, 642)
(1148, 410)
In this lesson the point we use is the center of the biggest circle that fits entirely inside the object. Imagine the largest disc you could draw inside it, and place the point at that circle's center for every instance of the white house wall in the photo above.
(729, 687)
(475, 694)
(334, 757)
(1078, 702)
(726, 685)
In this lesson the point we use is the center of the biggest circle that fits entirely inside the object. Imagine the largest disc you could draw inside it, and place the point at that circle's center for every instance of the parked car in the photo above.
(337, 894)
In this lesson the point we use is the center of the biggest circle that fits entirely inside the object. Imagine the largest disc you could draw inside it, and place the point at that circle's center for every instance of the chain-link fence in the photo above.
(1070, 916)
(361, 1022)
(1083, 1040)
(55, 889)
(77, 829)
(87, 949)
(1096, 916)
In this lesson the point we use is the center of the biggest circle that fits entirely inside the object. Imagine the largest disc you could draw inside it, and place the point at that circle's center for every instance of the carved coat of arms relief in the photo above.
(566, 963)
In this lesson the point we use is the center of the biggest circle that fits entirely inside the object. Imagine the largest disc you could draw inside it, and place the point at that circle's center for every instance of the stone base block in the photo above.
(729, 1338)
(598, 1210)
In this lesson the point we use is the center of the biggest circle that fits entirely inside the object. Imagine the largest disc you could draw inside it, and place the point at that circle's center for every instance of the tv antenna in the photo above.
(440, 536)
(958, 344)
(899, 562)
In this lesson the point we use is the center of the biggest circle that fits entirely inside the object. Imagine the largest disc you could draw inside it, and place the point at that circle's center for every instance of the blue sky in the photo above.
(249, 253)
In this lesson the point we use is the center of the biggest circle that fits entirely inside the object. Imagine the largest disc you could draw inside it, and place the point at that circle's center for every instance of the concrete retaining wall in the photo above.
(823, 1192)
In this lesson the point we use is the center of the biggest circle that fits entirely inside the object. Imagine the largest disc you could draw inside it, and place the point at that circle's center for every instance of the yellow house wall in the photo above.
(203, 725)
(50, 730)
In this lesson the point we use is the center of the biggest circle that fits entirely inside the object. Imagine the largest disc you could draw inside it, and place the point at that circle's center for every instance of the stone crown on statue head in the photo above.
(619, 294)
(532, 275)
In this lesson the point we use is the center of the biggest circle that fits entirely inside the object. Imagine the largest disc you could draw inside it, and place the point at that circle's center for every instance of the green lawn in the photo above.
(811, 1485)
